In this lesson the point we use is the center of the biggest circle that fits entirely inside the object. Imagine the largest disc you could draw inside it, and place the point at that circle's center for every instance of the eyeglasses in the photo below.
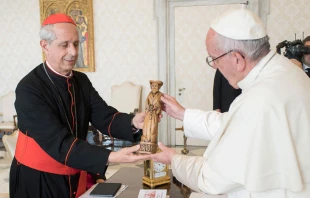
(211, 61)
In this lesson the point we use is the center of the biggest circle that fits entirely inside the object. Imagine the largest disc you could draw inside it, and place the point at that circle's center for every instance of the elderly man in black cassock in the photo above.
(54, 105)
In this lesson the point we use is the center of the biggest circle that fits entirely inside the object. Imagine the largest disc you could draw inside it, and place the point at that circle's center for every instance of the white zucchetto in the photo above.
(239, 24)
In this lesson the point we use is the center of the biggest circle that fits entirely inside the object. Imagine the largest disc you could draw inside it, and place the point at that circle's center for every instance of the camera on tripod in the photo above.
(293, 49)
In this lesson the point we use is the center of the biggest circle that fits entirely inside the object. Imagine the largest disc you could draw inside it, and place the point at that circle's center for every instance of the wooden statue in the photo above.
(148, 143)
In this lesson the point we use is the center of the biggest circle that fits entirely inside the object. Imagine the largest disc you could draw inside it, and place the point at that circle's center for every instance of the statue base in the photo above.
(148, 147)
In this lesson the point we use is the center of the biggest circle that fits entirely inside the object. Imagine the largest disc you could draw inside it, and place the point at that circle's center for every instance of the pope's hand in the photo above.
(126, 155)
(165, 156)
(172, 107)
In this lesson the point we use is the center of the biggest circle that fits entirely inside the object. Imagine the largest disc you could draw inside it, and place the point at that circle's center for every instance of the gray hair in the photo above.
(47, 33)
(252, 49)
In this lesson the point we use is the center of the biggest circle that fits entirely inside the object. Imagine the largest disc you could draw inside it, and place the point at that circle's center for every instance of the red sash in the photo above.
(30, 154)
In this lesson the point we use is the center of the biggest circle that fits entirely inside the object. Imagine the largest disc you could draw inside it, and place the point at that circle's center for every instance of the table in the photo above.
(133, 178)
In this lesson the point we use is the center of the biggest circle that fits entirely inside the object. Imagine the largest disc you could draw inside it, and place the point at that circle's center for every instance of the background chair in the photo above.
(9, 142)
(125, 98)
(9, 117)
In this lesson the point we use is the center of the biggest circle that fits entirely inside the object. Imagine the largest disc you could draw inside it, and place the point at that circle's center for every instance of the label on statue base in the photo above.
(148, 147)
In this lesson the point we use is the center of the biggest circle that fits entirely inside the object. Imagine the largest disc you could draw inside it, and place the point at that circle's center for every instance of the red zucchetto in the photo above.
(58, 18)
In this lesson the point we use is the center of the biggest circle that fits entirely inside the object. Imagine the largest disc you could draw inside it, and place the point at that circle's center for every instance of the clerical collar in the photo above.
(304, 66)
(254, 73)
(53, 70)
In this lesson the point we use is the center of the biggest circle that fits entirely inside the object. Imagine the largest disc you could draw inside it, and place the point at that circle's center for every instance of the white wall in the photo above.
(286, 18)
(125, 43)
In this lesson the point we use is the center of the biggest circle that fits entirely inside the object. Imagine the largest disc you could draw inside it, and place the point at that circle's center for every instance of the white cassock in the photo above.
(260, 148)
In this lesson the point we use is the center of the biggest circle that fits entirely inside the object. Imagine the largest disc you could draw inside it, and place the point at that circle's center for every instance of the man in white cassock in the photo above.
(260, 148)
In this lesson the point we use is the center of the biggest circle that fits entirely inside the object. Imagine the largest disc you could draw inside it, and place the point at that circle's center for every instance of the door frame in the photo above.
(165, 12)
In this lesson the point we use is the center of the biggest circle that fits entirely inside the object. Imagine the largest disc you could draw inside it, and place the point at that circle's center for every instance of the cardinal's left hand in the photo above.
(138, 120)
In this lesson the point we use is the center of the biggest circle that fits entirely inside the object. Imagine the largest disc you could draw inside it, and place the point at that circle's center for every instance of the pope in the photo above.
(260, 147)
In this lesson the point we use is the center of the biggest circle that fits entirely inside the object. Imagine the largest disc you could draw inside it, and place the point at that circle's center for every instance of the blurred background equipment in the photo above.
(293, 49)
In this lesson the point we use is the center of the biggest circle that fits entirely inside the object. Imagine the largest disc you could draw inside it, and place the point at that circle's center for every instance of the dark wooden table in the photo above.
(133, 178)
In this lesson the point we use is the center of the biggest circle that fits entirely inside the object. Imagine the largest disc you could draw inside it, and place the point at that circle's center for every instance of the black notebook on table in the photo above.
(105, 189)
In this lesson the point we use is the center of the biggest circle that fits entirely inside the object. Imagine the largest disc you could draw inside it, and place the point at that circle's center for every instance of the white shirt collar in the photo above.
(304, 66)
(48, 65)
(252, 75)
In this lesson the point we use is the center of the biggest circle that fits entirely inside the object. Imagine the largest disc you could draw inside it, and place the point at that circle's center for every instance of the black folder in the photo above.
(105, 189)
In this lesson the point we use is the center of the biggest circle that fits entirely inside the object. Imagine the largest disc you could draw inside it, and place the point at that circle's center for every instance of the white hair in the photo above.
(252, 49)
(47, 33)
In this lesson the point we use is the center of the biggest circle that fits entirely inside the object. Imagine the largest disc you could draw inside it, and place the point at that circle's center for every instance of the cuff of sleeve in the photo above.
(98, 176)
(135, 131)
(137, 135)
(201, 124)
(189, 114)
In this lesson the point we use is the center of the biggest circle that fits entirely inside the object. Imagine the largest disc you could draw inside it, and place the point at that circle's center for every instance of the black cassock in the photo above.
(223, 93)
(44, 108)
(308, 72)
